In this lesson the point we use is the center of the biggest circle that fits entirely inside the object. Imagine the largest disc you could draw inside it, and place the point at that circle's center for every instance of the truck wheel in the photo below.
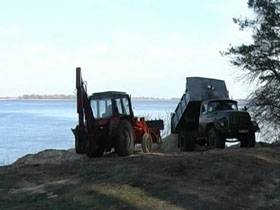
(248, 140)
(251, 140)
(215, 140)
(186, 141)
(125, 139)
(181, 142)
(147, 143)
(190, 141)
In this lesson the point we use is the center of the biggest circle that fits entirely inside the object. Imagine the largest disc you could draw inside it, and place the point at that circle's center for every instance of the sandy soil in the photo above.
(235, 178)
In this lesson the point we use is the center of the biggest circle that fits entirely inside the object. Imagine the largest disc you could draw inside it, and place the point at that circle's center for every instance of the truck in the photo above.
(106, 121)
(206, 115)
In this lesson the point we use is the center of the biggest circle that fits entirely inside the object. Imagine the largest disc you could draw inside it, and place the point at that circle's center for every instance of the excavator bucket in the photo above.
(155, 124)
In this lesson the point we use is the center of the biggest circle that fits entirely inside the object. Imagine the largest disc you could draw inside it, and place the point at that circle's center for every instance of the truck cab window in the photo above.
(212, 106)
(204, 109)
(222, 105)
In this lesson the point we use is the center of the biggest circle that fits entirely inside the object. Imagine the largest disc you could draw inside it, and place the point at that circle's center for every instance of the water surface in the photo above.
(29, 126)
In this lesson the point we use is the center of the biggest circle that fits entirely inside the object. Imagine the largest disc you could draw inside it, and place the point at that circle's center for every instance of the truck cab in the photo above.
(220, 120)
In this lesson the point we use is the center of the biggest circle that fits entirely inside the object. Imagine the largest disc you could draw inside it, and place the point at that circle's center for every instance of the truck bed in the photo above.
(198, 89)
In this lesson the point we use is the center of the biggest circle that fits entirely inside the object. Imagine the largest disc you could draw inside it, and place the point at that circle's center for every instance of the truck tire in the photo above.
(125, 139)
(186, 141)
(215, 139)
(147, 143)
(190, 141)
(248, 140)
(251, 140)
(181, 142)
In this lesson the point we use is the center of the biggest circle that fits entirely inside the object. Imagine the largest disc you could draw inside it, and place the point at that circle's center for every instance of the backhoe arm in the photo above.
(86, 119)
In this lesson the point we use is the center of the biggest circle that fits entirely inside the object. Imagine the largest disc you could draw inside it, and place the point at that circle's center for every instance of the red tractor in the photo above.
(106, 121)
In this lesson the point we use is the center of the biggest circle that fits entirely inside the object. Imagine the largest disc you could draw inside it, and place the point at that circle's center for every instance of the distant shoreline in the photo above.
(36, 99)
(73, 97)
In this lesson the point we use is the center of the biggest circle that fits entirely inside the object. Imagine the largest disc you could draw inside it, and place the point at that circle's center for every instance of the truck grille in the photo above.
(239, 120)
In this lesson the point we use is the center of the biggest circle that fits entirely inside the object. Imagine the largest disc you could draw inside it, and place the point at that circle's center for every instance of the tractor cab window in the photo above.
(123, 106)
(119, 106)
(126, 106)
(101, 108)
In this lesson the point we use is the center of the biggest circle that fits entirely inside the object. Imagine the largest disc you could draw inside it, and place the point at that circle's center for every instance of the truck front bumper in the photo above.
(237, 132)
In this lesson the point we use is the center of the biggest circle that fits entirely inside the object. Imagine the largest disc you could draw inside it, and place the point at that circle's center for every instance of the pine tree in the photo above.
(260, 61)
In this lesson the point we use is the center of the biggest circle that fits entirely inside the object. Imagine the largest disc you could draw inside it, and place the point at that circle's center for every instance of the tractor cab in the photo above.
(110, 104)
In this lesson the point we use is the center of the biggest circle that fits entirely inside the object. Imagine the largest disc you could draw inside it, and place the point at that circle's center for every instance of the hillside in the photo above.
(217, 179)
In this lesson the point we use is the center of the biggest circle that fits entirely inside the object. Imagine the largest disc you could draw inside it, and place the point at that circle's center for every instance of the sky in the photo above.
(145, 48)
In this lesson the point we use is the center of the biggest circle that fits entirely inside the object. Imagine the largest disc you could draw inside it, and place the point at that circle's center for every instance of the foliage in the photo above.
(260, 59)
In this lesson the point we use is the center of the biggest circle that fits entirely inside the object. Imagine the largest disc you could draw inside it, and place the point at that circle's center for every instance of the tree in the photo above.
(260, 61)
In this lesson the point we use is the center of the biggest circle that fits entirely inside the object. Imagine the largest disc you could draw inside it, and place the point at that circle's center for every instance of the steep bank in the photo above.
(216, 179)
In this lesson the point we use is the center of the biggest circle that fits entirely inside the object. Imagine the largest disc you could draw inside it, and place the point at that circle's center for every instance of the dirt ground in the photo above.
(234, 178)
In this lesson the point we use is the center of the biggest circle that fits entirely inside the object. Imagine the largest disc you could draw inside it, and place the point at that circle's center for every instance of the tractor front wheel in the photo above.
(125, 139)
(147, 143)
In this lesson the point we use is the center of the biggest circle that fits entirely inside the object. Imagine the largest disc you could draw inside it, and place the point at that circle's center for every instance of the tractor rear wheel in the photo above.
(125, 139)
(147, 143)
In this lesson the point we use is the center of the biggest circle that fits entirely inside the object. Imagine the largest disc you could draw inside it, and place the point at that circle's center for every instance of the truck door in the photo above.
(202, 120)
